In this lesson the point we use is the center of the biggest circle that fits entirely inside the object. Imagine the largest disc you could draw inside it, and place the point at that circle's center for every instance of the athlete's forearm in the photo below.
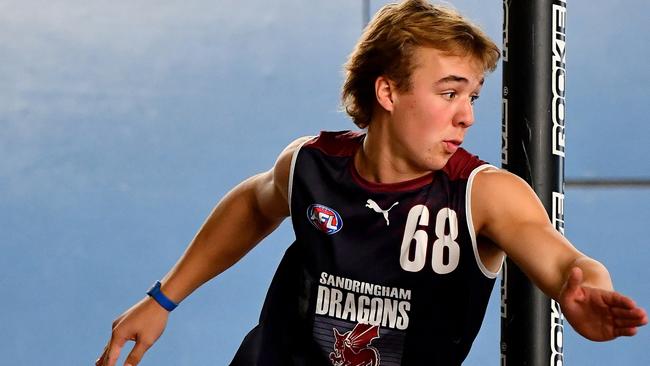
(233, 228)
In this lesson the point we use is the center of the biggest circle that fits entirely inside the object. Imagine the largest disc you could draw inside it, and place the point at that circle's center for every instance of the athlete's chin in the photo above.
(438, 162)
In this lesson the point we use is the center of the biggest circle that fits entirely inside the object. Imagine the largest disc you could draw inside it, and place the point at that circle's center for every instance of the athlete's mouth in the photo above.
(452, 145)
(455, 142)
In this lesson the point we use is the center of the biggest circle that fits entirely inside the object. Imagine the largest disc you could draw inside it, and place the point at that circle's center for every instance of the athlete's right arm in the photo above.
(243, 217)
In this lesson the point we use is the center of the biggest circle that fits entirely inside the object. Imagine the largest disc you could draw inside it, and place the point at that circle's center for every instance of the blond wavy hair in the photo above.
(388, 43)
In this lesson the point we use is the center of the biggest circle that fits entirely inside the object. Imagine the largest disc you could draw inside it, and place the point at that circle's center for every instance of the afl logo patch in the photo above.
(324, 219)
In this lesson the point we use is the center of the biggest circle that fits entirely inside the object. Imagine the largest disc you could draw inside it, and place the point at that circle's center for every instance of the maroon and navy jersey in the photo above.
(380, 274)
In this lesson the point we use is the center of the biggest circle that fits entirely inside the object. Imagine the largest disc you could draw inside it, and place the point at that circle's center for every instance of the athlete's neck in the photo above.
(379, 160)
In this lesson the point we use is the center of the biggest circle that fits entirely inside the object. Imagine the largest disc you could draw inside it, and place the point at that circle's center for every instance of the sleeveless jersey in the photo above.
(380, 274)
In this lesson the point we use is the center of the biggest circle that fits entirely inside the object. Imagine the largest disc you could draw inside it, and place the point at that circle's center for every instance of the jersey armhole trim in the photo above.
(294, 158)
(470, 222)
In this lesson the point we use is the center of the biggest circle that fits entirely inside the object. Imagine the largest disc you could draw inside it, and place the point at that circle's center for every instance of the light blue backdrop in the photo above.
(122, 124)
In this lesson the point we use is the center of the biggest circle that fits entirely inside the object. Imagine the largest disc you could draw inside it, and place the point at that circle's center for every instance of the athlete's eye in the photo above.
(449, 95)
(473, 99)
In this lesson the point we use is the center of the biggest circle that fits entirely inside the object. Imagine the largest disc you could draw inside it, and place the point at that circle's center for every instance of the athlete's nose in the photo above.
(465, 114)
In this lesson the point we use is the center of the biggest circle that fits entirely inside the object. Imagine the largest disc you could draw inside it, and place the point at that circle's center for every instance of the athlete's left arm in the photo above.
(506, 210)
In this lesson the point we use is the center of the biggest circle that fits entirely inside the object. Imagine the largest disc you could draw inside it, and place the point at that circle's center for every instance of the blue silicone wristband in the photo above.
(160, 298)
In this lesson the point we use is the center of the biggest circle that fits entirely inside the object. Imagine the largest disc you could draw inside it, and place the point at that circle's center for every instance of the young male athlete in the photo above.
(399, 231)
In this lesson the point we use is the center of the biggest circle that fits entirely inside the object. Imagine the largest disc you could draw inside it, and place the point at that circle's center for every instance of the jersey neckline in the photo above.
(408, 185)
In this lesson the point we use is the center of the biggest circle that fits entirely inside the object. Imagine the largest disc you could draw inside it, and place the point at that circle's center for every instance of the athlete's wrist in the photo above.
(156, 294)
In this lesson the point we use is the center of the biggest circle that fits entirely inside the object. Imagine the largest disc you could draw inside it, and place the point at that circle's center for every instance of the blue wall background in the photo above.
(123, 123)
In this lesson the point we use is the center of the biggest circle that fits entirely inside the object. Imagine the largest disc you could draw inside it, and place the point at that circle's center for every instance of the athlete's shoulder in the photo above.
(461, 164)
(282, 167)
(336, 143)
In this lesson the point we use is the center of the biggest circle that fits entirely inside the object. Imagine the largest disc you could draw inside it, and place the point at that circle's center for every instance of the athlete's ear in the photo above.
(384, 89)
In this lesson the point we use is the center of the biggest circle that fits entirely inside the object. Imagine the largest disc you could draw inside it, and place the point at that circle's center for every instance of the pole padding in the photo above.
(533, 147)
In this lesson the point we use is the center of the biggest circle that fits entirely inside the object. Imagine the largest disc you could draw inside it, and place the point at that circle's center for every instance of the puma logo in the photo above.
(375, 207)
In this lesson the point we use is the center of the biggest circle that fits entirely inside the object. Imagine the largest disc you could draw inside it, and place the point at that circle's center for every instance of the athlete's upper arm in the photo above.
(507, 211)
(272, 187)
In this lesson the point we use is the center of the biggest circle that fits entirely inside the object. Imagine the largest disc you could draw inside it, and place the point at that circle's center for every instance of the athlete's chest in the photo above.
(418, 231)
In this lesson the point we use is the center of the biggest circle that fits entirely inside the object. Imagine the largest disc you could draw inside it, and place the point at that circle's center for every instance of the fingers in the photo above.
(635, 313)
(137, 352)
(625, 332)
(102, 357)
(575, 278)
(629, 317)
(573, 287)
(627, 320)
(114, 349)
(626, 323)
(628, 327)
(625, 309)
(645, 317)
(112, 352)
(143, 323)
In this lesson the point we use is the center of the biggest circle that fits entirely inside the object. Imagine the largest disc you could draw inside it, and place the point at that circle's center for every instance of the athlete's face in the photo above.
(429, 122)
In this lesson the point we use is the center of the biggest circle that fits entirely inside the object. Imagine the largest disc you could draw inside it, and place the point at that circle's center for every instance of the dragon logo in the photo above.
(352, 348)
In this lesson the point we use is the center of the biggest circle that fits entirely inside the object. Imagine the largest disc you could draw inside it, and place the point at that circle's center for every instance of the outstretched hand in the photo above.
(143, 323)
(599, 315)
